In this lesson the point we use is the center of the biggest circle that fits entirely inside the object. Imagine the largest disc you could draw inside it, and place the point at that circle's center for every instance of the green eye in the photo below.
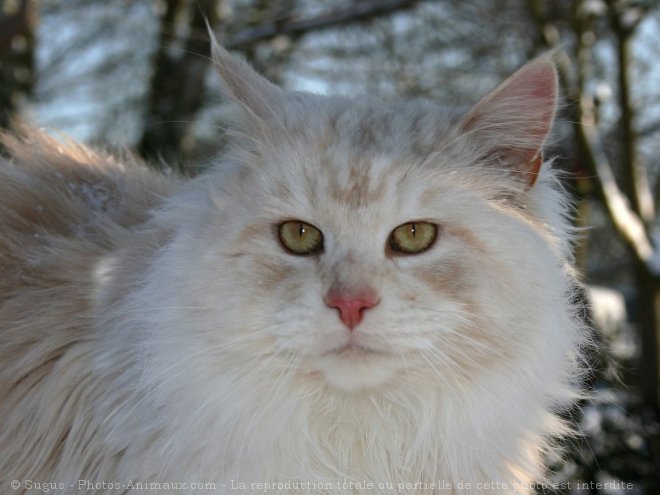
(413, 237)
(300, 237)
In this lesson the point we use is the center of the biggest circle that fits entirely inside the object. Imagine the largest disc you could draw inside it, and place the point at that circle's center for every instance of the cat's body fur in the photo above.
(154, 330)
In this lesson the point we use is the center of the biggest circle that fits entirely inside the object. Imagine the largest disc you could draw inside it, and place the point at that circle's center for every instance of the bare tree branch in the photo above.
(649, 129)
(358, 12)
(626, 221)
(624, 20)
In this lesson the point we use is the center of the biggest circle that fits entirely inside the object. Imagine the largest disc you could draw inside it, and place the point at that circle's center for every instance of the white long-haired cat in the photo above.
(357, 297)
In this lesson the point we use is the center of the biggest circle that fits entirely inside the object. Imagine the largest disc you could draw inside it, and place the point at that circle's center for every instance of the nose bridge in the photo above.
(351, 273)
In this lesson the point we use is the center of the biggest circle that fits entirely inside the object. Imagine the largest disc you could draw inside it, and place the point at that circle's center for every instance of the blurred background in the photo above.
(135, 74)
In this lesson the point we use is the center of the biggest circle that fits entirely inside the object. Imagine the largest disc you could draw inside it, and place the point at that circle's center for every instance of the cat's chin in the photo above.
(354, 367)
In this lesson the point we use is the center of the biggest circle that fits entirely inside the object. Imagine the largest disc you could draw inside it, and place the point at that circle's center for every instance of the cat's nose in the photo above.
(351, 306)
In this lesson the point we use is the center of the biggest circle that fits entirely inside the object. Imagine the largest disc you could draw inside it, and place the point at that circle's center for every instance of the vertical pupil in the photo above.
(412, 229)
(301, 229)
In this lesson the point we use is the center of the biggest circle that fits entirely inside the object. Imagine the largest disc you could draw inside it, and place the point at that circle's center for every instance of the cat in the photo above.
(357, 297)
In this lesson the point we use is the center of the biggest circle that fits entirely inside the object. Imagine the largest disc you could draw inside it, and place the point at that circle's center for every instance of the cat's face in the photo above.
(361, 244)
(331, 258)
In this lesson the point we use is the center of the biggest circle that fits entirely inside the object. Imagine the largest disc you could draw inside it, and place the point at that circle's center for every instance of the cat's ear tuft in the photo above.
(243, 85)
(511, 123)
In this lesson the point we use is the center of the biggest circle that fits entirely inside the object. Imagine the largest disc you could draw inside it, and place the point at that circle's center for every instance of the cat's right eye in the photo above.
(300, 238)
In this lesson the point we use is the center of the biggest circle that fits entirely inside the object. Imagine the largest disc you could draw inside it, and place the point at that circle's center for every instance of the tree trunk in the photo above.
(16, 58)
(648, 322)
(637, 189)
(177, 84)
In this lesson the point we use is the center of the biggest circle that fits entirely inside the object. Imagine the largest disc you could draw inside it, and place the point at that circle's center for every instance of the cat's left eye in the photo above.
(301, 238)
(413, 237)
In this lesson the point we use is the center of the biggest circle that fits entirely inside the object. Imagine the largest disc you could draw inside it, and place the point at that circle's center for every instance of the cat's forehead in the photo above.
(368, 126)
(358, 152)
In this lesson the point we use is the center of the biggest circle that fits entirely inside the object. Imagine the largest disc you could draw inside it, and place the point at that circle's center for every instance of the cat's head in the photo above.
(359, 243)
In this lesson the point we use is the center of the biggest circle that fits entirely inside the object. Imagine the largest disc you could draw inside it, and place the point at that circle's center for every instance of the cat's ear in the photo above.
(243, 85)
(511, 123)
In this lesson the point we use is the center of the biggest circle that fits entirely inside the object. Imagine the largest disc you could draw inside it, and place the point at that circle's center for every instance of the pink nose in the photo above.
(351, 306)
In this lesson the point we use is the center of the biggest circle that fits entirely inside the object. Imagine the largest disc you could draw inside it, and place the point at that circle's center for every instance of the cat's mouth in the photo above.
(352, 349)
(352, 366)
